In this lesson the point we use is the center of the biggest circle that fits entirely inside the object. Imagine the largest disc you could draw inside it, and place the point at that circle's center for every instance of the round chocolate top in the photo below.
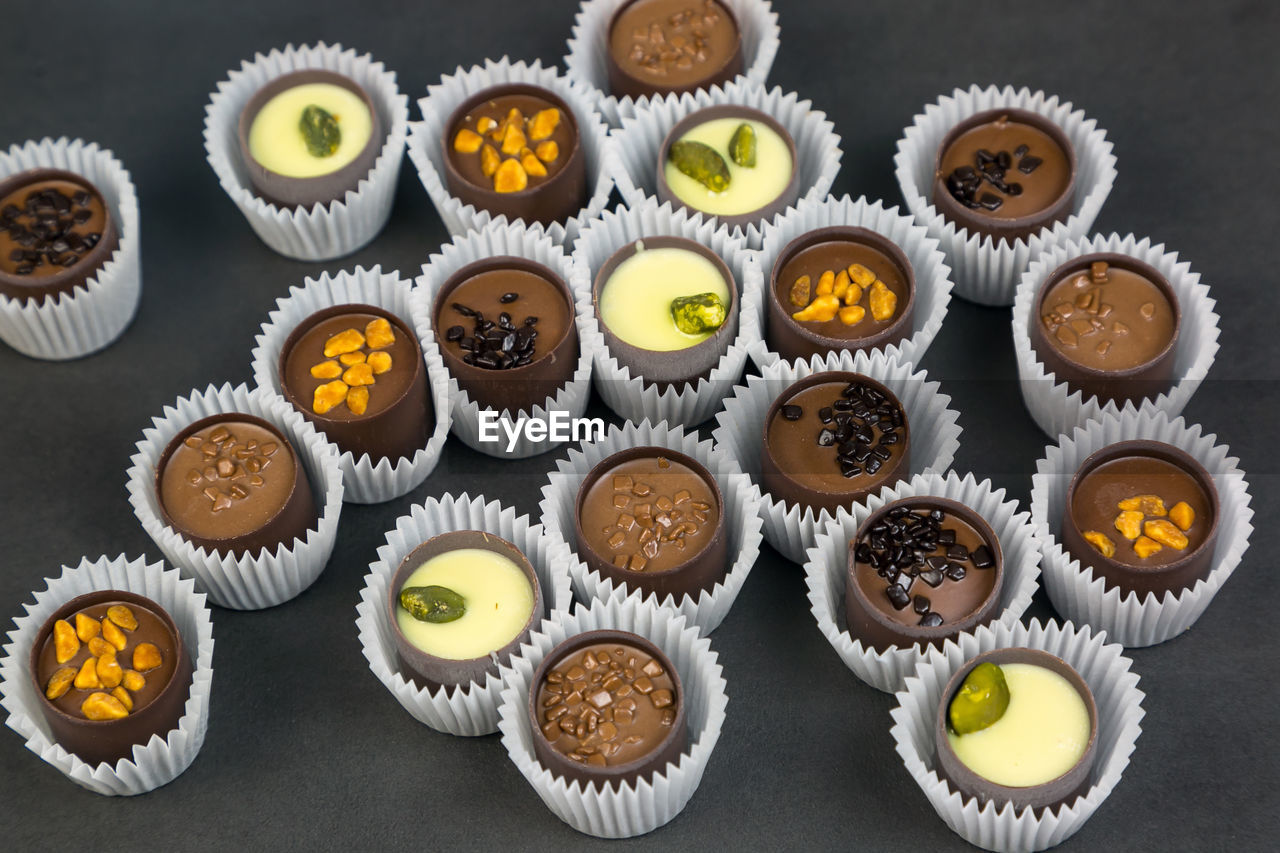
(115, 646)
(835, 437)
(1106, 316)
(500, 319)
(226, 479)
(866, 289)
(512, 142)
(651, 513)
(921, 565)
(351, 366)
(1003, 167)
(672, 45)
(49, 224)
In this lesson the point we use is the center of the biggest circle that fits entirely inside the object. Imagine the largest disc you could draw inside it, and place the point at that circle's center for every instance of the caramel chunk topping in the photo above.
(363, 357)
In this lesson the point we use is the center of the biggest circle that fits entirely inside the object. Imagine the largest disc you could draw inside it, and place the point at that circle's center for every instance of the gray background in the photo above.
(305, 748)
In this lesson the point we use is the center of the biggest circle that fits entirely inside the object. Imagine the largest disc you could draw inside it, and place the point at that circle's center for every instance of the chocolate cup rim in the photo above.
(1166, 453)
(429, 668)
(68, 278)
(730, 68)
(75, 605)
(499, 262)
(644, 766)
(303, 189)
(1040, 342)
(895, 331)
(315, 318)
(637, 357)
(920, 634)
(488, 196)
(1053, 793)
(611, 461)
(821, 378)
(784, 199)
(1006, 229)
(228, 543)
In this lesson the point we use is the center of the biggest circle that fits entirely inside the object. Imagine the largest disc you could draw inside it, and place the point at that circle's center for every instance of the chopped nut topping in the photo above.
(1182, 515)
(123, 617)
(65, 641)
(113, 635)
(1145, 547)
(467, 141)
(1166, 533)
(87, 627)
(1129, 523)
(146, 657)
(847, 285)
(100, 706)
(1100, 541)
(60, 682)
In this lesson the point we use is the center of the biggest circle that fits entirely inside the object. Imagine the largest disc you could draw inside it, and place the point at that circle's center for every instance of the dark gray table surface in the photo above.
(305, 749)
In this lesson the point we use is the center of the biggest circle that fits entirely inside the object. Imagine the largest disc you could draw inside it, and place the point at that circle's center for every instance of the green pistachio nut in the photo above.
(702, 163)
(981, 700)
(742, 147)
(435, 604)
(320, 131)
(694, 315)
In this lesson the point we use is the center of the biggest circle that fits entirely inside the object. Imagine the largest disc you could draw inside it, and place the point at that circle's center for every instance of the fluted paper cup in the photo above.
(739, 433)
(163, 758)
(648, 803)
(639, 141)
(254, 579)
(447, 95)
(741, 517)
(1115, 690)
(933, 276)
(827, 569)
(325, 231)
(472, 710)
(364, 482)
(986, 271)
(1085, 599)
(1054, 406)
(92, 316)
(518, 240)
(589, 48)
(631, 396)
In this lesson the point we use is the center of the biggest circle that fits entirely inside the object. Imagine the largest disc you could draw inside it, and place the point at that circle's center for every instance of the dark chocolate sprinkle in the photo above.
(931, 620)
(792, 413)
(508, 298)
(1027, 165)
(920, 604)
(983, 558)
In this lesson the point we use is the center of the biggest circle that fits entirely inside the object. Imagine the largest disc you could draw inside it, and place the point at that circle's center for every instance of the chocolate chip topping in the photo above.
(44, 229)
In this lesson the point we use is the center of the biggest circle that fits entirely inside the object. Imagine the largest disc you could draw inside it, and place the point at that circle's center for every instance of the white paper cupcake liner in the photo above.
(987, 271)
(364, 482)
(642, 806)
(640, 137)
(1083, 598)
(91, 317)
(827, 569)
(589, 47)
(254, 579)
(631, 396)
(935, 432)
(1115, 690)
(164, 757)
(325, 231)
(472, 711)
(741, 517)
(1056, 408)
(444, 97)
(933, 281)
(499, 238)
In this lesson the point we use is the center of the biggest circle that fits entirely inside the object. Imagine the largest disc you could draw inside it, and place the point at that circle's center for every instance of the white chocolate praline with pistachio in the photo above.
(277, 143)
(750, 188)
(635, 302)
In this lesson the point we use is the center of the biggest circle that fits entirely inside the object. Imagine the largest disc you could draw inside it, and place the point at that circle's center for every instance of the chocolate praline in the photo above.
(1144, 369)
(1049, 795)
(1019, 214)
(1133, 468)
(287, 191)
(394, 425)
(797, 468)
(642, 59)
(95, 741)
(666, 750)
(612, 503)
(236, 495)
(836, 248)
(670, 367)
(540, 294)
(966, 599)
(786, 198)
(555, 198)
(56, 227)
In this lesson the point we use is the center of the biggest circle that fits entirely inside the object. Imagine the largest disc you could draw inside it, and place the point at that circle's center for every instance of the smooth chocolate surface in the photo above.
(658, 47)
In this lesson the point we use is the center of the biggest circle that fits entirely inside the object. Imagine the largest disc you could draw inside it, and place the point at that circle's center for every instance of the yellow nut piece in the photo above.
(110, 673)
(467, 141)
(114, 635)
(510, 177)
(532, 165)
(820, 310)
(514, 139)
(326, 370)
(358, 400)
(883, 301)
(379, 362)
(87, 627)
(861, 276)
(146, 657)
(123, 697)
(842, 284)
(1129, 523)
(1101, 541)
(1146, 504)
(328, 395)
(123, 617)
(1166, 533)
(349, 358)
(379, 334)
(489, 160)
(1145, 547)
(826, 283)
(358, 374)
(133, 680)
(484, 124)
(348, 341)
(1182, 515)
(800, 289)
(99, 647)
(100, 706)
(65, 641)
(87, 677)
(60, 682)
(851, 315)
(853, 295)
(544, 123)
(548, 151)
